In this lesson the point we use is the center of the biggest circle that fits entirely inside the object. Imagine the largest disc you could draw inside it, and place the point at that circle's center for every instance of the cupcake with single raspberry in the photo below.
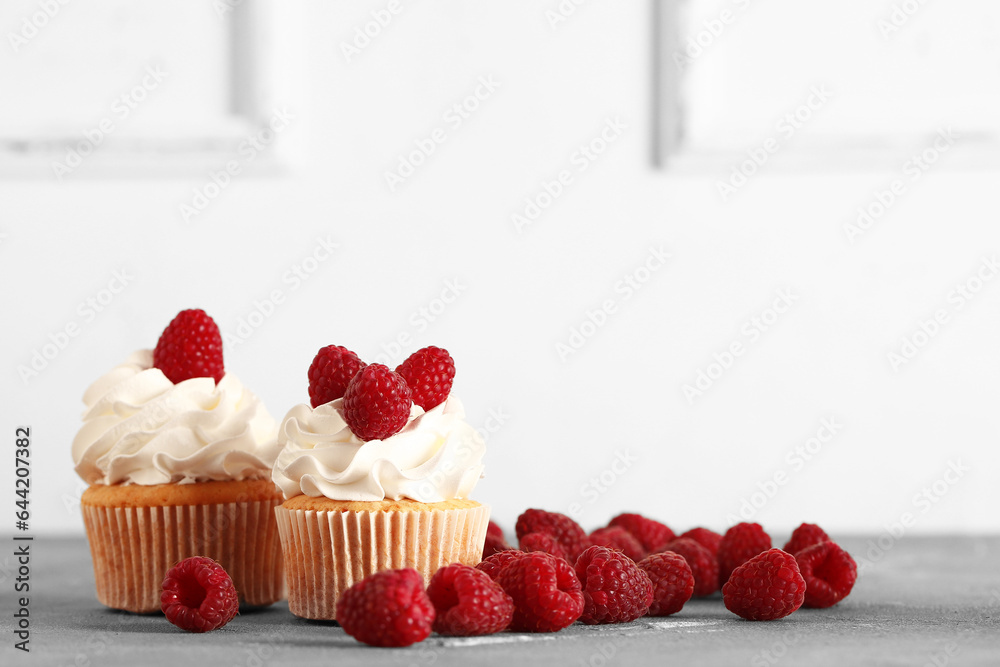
(178, 455)
(376, 473)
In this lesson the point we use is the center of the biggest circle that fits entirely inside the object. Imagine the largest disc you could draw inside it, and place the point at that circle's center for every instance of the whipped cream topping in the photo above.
(141, 428)
(436, 456)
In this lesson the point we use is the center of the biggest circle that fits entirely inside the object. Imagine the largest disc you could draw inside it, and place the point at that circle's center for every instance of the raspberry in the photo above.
(766, 587)
(740, 543)
(190, 347)
(830, 573)
(706, 538)
(494, 545)
(376, 403)
(616, 537)
(651, 534)
(468, 602)
(494, 563)
(198, 595)
(568, 532)
(615, 590)
(704, 566)
(429, 373)
(388, 608)
(673, 582)
(330, 372)
(542, 542)
(495, 530)
(545, 590)
(804, 536)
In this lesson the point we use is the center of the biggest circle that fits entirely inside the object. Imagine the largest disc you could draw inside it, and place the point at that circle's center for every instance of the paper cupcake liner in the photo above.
(327, 552)
(133, 547)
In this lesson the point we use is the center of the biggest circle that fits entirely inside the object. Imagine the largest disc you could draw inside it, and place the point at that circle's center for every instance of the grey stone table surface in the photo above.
(920, 601)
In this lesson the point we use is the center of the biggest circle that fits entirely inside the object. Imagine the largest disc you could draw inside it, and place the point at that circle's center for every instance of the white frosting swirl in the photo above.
(436, 456)
(141, 428)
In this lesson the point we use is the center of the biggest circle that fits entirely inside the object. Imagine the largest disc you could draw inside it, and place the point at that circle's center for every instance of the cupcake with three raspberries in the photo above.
(178, 455)
(376, 473)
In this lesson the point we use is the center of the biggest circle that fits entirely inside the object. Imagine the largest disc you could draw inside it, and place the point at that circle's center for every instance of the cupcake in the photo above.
(376, 473)
(178, 455)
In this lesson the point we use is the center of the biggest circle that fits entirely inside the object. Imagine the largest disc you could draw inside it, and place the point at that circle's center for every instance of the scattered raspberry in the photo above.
(568, 532)
(330, 372)
(495, 530)
(542, 542)
(804, 536)
(673, 582)
(429, 373)
(616, 537)
(766, 587)
(829, 572)
(198, 595)
(190, 347)
(468, 602)
(615, 590)
(546, 593)
(494, 563)
(704, 566)
(494, 545)
(740, 543)
(651, 534)
(376, 403)
(706, 538)
(388, 608)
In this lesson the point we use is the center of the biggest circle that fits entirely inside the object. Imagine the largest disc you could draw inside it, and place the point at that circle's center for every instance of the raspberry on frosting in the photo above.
(429, 373)
(331, 371)
(190, 347)
(376, 403)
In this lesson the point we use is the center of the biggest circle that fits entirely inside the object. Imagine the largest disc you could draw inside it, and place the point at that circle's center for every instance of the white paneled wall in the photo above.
(604, 428)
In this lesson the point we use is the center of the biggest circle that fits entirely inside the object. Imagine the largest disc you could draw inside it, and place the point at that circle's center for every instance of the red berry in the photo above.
(615, 590)
(492, 564)
(830, 573)
(740, 543)
(651, 534)
(495, 530)
(198, 595)
(468, 602)
(388, 608)
(706, 538)
(190, 347)
(494, 545)
(568, 532)
(545, 590)
(704, 566)
(804, 536)
(330, 372)
(673, 582)
(376, 403)
(616, 537)
(429, 373)
(766, 587)
(542, 542)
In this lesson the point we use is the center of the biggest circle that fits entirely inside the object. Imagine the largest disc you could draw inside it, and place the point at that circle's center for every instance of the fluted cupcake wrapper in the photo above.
(325, 553)
(134, 547)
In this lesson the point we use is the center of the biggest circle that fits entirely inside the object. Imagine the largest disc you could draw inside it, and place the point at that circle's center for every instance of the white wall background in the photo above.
(568, 421)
